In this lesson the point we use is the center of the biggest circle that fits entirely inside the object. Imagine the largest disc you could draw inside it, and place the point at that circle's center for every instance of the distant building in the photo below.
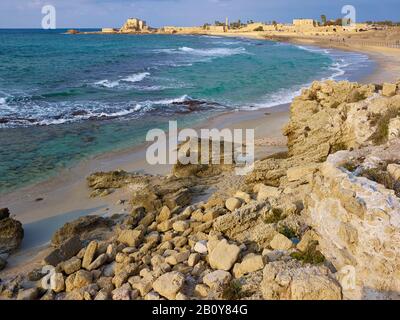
(304, 22)
(134, 25)
(109, 30)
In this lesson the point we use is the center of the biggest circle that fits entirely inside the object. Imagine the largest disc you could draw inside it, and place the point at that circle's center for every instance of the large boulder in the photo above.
(224, 255)
(84, 227)
(11, 234)
(246, 224)
(169, 284)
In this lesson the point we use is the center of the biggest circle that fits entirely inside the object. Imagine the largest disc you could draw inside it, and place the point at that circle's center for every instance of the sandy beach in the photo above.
(66, 196)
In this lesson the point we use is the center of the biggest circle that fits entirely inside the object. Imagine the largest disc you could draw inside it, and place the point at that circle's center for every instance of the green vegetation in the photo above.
(338, 147)
(350, 166)
(381, 176)
(384, 23)
(323, 19)
(288, 232)
(260, 28)
(274, 215)
(382, 125)
(234, 291)
(310, 255)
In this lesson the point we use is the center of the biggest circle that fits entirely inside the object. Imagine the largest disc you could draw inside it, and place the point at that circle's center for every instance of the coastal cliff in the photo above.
(321, 221)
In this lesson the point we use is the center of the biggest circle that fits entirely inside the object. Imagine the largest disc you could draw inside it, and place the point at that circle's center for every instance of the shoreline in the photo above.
(66, 196)
(387, 59)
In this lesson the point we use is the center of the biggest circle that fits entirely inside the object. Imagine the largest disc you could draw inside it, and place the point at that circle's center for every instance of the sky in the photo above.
(157, 13)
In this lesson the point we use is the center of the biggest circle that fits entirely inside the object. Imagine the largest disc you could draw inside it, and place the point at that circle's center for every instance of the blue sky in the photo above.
(112, 13)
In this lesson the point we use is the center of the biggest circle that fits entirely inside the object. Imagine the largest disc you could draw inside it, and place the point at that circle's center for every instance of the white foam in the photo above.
(282, 96)
(137, 77)
(107, 83)
(214, 52)
(208, 53)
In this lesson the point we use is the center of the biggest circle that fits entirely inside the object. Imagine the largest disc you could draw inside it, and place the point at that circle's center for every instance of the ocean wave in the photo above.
(342, 62)
(56, 114)
(138, 77)
(314, 49)
(209, 53)
(280, 97)
(215, 52)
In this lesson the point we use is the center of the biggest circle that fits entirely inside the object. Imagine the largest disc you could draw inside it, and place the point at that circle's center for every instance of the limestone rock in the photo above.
(233, 203)
(201, 247)
(81, 227)
(305, 241)
(224, 255)
(82, 279)
(247, 224)
(57, 282)
(11, 235)
(89, 254)
(357, 221)
(169, 284)
(217, 280)
(193, 259)
(266, 192)
(245, 197)
(394, 128)
(180, 226)
(394, 171)
(131, 238)
(294, 281)
(300, 172)
(389, 89)
(100, 260)
(122, 293)
(164, 215)
(250, 263)
(72, 265)
(280, 242)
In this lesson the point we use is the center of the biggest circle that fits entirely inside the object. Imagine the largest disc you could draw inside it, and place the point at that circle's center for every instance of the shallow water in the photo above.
(67, 97)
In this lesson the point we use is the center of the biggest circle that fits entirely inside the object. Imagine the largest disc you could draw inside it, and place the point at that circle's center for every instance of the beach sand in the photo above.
(66, 196)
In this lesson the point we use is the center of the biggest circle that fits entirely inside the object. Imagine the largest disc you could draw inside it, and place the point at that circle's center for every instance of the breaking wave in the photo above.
(138, 77)
(53, 114)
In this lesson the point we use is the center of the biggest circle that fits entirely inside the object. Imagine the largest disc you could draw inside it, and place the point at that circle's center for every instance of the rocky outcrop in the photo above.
(320, 222)
(84, 227)
(358, 220)
(11, 232)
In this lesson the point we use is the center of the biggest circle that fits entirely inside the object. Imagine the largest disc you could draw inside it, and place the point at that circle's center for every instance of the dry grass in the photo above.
(311, 255)
(381, 176)
(381, 121)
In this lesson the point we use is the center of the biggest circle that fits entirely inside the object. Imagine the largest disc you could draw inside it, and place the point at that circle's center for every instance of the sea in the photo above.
(65, 98)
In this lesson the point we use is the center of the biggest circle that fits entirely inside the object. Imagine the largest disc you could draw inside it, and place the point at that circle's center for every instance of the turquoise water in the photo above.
(67, 97)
